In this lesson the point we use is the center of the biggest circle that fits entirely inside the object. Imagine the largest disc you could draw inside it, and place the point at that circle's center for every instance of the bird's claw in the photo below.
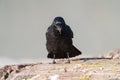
(68, 62)
(54, 62)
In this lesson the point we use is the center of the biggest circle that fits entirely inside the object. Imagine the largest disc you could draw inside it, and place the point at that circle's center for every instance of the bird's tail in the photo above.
(74, 52)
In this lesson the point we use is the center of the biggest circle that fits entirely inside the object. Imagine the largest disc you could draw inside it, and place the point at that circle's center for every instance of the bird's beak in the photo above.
(59, 26)
(59, 29)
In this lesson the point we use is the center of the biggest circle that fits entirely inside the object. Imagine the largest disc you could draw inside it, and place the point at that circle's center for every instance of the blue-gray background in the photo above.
(23, 23)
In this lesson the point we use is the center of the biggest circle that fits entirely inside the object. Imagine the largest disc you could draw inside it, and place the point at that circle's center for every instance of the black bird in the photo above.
(59, 41)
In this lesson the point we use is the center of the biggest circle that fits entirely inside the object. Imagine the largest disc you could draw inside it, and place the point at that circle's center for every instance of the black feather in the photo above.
(59, 40)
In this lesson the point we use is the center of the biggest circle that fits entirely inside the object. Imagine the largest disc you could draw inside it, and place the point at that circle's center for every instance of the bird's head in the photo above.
(59, 23)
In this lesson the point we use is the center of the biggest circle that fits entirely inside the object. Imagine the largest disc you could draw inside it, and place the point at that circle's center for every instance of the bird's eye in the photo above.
(58, 24)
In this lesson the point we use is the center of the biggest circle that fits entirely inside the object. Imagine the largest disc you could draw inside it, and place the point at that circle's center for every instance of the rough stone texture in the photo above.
(79, 69)
(105, 67)
(114, 54)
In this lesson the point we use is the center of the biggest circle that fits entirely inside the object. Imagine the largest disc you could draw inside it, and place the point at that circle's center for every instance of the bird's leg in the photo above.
(54, 59)
(68, 57)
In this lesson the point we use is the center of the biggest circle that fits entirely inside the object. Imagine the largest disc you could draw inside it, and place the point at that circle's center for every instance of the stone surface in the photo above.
(105, 67)
(79, 69)
(114, 54)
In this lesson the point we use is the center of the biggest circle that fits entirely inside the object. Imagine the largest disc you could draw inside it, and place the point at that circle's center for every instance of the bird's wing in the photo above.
(69, 31)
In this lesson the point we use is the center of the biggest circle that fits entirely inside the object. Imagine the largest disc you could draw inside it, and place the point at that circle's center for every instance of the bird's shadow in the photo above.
(93, 58)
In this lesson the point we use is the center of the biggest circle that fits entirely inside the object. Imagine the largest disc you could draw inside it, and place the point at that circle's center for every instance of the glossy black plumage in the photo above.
(59, 40)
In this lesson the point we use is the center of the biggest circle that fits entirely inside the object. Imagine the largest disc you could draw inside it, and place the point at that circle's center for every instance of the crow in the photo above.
(59, 42)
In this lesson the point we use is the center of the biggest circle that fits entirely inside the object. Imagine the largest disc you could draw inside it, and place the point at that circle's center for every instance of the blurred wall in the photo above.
(23, 24)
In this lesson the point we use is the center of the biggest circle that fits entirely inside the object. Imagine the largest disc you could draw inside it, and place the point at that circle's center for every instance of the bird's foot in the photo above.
(68, 62)
(54, 62)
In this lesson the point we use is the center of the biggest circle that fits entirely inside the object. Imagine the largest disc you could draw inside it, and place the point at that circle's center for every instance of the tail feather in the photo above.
(73, 52)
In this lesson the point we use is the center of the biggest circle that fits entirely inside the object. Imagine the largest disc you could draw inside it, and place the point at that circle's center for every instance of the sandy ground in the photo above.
(78, 69)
